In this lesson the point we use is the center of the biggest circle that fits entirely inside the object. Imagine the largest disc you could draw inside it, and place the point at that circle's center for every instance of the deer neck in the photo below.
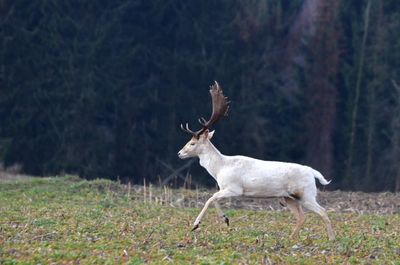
(211, 159)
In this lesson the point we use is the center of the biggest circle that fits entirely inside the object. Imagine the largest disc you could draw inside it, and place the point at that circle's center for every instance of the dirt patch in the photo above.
(361, 202)
(335, 201)
(332, 201)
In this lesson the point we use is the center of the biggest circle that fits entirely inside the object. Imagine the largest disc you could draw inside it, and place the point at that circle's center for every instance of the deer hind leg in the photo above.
(298, 213)
(312, 205)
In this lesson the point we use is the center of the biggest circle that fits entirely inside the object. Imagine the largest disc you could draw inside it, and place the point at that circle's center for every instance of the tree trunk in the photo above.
(349, 179)
(396, 138)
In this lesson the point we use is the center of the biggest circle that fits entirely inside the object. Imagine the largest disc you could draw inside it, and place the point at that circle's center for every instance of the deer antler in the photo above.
(219, 108)
(187, 129)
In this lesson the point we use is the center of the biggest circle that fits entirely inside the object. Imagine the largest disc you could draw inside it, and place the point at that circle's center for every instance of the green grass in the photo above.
(65, 220)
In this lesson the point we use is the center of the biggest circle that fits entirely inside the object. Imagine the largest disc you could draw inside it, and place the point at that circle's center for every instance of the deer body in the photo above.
(246, 176)
(257, 178)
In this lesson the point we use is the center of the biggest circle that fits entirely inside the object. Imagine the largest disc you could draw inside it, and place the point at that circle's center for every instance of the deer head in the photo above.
(219, 108)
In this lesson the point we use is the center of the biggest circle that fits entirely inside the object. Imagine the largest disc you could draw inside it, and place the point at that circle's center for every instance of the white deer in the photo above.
(245, 176)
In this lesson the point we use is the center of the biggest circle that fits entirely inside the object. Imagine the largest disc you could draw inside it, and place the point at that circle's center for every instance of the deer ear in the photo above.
(210, 135)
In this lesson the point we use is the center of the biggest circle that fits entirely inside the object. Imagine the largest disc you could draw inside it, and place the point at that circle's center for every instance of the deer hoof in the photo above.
(226, 219)
(195, 227)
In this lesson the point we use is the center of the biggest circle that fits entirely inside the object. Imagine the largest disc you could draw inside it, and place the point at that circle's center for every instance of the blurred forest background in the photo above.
(99, 88)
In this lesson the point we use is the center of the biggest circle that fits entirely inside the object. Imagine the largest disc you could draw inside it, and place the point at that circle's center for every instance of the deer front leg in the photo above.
(218, 195)
(221, 213)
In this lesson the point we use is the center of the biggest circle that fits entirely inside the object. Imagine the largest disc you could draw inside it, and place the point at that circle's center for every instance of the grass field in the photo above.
(65, 220)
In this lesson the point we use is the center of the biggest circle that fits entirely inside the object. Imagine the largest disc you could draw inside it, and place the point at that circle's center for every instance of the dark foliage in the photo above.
(99, 88)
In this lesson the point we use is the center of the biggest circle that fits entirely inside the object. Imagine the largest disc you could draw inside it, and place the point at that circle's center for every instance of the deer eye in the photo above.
(192, 143)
